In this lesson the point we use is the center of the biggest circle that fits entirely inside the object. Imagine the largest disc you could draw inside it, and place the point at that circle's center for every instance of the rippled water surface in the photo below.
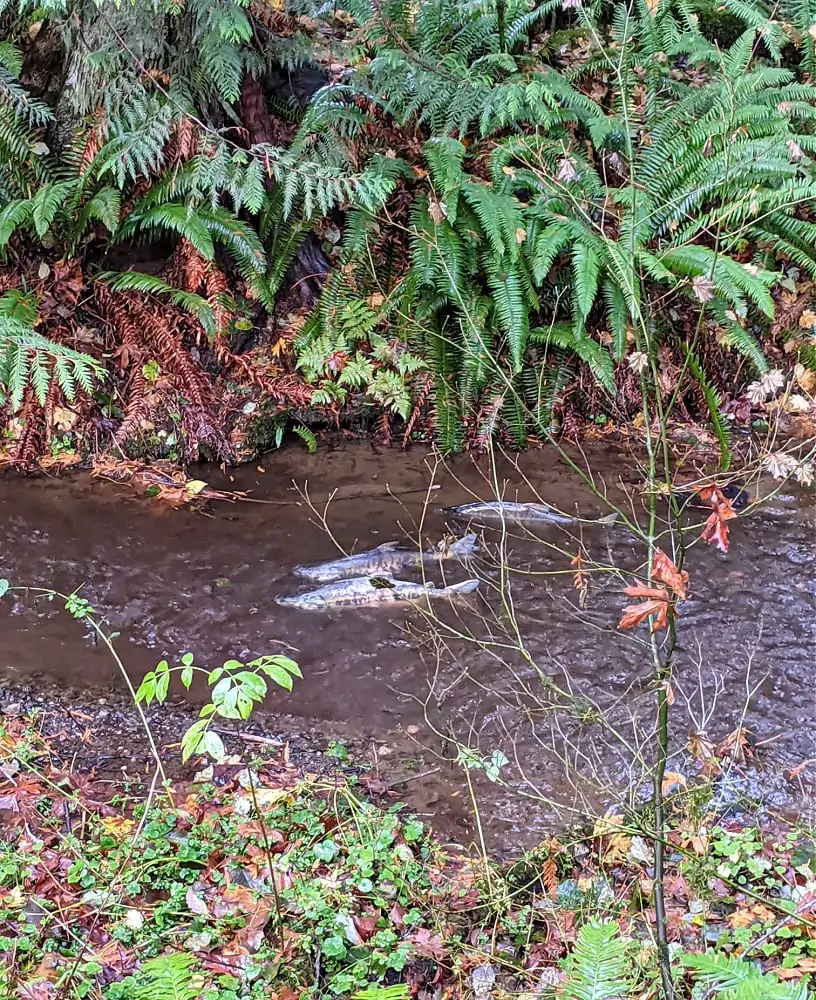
(172, 581)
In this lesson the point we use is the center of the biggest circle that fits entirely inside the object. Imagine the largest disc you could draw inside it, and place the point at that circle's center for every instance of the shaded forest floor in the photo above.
(258, 876)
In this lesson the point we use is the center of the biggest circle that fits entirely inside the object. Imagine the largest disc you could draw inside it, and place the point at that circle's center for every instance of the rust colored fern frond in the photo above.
(30, 444)
(184, 142)
(52, 399)
(188, 268)
(166, 347)
(96, 136)
(137, 410)
(423, 386)
(112, 306)
(276, 21)
(383, 431)
(215, 285)
(137, 324)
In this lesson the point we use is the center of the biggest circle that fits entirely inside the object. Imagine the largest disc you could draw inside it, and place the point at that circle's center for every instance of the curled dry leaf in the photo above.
(664, 570)
(703, 288)
(657, 601)
(634, 614)
(567, 167)
(715, 530)
(437, 210)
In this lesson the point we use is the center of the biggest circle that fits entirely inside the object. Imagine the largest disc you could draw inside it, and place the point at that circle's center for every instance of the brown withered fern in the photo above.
(147, 329)
(31, 442)
(184, 142)
(423, 385)
(137, 411)
(93, 140)
(187, 268)
(192, 272)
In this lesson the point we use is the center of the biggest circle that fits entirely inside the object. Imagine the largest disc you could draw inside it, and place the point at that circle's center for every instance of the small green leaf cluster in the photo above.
(236, 688)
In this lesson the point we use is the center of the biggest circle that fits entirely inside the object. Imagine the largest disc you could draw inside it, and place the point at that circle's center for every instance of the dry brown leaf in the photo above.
(804, 967)
(672, 780)
(634, 614)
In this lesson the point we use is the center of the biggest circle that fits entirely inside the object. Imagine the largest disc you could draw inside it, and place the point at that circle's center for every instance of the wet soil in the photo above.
(524, 668)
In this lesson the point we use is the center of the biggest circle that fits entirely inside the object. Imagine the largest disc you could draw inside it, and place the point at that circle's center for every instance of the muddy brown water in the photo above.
(173, 581)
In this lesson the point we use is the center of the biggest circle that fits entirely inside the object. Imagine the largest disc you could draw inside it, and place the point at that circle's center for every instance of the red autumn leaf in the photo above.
(664, 571)
(427, 944)
(657, 600)
(650, 593)
(366, 924)
(634, 614)
(715, 530)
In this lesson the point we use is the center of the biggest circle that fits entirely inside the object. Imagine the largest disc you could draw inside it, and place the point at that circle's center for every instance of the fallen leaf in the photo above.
(566, 167)
(34, 991)
(804, 967)
(196, 903)
(427, 944)
(736, 745)
(672, 780)
(117, 826)
(438, 211)
(703, 288)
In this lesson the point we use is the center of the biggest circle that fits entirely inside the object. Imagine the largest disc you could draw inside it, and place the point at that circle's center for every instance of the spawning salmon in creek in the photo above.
(555, 702)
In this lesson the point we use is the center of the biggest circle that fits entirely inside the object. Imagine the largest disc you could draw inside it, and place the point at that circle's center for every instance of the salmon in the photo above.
(523, 513)
(388, 559)
(368, 591)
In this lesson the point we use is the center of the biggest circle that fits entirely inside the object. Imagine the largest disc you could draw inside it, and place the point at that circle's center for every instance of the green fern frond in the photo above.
(598, 967)
(151, 284)
(586, 269)
(307, 437)
(397, 992)
(168, 977)
(738, 979)
(27, 358)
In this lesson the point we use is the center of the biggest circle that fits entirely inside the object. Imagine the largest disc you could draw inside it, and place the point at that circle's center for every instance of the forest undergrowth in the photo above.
(220, 225)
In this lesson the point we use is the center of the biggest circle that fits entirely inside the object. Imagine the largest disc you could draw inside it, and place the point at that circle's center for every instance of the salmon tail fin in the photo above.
(609, 519)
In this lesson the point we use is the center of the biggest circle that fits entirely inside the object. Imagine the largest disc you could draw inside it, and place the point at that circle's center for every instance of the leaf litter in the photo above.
(319, 892)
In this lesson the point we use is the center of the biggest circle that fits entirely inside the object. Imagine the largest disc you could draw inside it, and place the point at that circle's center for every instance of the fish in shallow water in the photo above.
(387, 559)
(523, 513)
(372, 590)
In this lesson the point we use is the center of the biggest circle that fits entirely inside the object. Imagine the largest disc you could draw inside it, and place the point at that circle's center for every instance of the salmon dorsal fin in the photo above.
(387, 547)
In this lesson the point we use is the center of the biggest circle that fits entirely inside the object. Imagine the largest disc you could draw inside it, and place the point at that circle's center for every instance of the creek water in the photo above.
(526, 668)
